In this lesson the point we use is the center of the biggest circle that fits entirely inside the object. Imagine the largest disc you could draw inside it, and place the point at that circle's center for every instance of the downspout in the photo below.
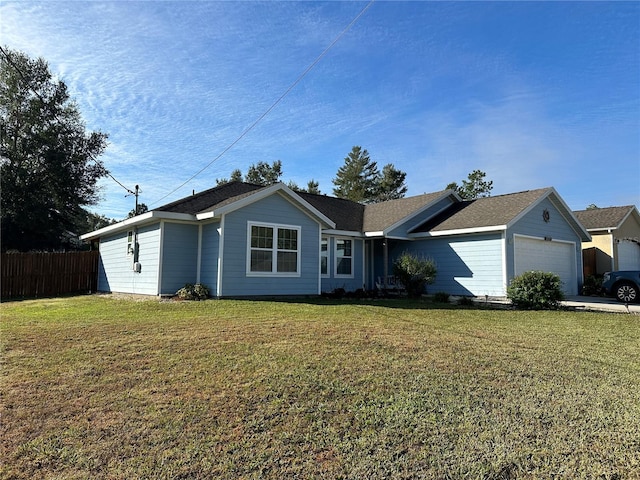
(364, 269)
(199, 264)
(613, 253)
(160, 257)
(220, 254)
(320, 258)
(385, 250)
(505, 274)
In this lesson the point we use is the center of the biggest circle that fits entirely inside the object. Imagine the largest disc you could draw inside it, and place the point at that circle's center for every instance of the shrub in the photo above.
(536, 290)
(415, 272)
(193, 292)
(466, 302)
(592, 285)
(441, 297)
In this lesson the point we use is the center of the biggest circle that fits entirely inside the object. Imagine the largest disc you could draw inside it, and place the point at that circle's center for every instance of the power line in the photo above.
(261, 117)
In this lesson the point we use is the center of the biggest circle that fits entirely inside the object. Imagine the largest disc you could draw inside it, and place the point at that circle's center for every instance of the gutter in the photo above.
(138, 220)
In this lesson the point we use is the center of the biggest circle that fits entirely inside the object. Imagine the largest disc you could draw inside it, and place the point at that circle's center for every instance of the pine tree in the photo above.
(356, 179)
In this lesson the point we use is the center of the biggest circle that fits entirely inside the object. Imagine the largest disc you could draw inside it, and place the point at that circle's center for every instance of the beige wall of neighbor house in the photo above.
(603, 243)
(615, 243)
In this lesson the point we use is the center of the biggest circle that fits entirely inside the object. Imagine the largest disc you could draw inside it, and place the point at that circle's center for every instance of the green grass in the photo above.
(100, 387)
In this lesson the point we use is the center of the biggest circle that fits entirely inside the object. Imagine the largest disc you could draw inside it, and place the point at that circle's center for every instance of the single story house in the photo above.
(242, 239)
(615, 239)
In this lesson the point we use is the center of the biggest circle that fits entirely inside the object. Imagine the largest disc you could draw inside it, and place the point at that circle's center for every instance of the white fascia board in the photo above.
(632, 211)
(205, 215)
(462, 231)
(374, 234)
(302, 203)
(138, 220)
(342, 233)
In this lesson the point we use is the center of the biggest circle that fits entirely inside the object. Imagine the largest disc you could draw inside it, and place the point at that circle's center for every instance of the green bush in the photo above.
(466, 302)
(592, 285)
(536, 290)
(441, 297)
(193, 292)
(415, 272)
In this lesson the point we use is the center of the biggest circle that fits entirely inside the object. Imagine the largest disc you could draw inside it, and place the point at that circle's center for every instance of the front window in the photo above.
(273, 249)
(324, 256)
(344, 257)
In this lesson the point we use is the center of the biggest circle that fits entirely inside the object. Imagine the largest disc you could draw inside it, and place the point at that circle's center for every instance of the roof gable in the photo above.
(249, 197)
(383, 216)
(482, 213)
(604, 218)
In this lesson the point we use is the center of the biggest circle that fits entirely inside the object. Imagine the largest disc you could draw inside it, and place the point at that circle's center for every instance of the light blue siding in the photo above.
(209, 260)
(179, 256)
(467, 265)
(276, 210)
(353, 282)
(116, 267)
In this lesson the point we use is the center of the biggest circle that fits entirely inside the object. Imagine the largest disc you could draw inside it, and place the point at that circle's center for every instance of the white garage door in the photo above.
(628, 255)
(548, 256)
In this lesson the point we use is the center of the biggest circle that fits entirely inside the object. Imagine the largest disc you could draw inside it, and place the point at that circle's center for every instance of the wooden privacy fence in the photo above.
(48, 274)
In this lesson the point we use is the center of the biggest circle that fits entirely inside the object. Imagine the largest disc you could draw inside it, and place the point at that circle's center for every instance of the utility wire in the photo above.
(17, 69)
(261, 117)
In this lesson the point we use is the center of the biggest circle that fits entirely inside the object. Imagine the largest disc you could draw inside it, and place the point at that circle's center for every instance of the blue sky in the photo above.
(535, 94)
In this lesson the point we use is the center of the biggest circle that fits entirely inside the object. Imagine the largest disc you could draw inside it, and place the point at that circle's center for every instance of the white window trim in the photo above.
(328, 255)
(274, 250)
(335, 257)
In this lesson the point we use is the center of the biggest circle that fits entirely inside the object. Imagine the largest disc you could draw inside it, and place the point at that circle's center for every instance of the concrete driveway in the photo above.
(594, 304)
(601, 304)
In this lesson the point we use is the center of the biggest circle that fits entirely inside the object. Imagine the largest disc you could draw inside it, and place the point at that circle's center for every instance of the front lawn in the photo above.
(100, 387)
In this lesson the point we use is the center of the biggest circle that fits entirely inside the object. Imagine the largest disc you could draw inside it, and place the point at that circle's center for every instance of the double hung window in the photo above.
(273, 249)
(344, 257)
(324, 256)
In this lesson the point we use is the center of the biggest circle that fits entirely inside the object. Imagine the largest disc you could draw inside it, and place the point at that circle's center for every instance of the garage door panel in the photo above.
(547, 256)
(628, 255)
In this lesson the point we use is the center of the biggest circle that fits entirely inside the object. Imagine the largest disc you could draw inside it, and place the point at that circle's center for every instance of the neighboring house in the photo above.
(615, 244)
(248, 240)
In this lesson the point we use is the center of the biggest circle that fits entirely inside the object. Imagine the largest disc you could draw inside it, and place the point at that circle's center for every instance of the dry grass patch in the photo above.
(98, 387)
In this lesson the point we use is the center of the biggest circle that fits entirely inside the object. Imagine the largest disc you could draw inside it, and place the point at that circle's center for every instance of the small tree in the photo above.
(415, 272)
(536, 290)
(142, 208)
(474, 187)
(262, 173)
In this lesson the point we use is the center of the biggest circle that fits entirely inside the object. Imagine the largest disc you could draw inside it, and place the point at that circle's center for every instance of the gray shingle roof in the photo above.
(355, 217)
(379, 216)
(346, 214)
(214, 197)
(483, 212)
(603, 218)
